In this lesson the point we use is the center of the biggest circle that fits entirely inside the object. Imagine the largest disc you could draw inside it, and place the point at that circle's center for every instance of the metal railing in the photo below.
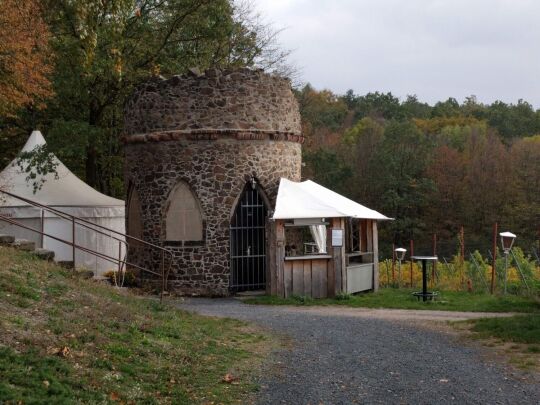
(99, 229)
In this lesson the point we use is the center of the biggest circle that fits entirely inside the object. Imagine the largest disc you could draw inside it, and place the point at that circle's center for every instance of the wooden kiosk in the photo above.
(322, 243)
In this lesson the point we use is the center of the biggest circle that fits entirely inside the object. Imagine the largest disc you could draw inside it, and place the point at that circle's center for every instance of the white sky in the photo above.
(432, 48)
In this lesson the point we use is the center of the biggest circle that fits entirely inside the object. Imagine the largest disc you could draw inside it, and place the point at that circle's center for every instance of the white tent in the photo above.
(308, 200)
(67, 193)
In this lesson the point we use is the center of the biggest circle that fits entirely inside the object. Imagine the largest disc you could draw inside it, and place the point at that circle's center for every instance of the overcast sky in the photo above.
(432, 48)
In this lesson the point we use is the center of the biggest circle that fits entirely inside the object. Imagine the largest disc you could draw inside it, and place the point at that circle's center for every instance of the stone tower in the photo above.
(204, 155)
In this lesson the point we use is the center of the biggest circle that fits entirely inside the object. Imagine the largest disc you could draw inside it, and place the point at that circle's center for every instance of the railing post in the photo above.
(73, 240)
(119, 258)
(162, 276)
(42, 238)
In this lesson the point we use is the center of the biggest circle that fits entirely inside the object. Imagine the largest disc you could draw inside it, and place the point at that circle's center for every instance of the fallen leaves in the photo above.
(230, 379)
(63, 351)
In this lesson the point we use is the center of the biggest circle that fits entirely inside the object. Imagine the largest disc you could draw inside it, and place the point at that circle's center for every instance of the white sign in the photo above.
(337, 237)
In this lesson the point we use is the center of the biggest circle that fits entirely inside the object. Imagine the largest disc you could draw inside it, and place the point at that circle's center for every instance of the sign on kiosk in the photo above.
(337, 237)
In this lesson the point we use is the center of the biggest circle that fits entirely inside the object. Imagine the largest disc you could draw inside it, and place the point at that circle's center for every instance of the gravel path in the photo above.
(350, 356)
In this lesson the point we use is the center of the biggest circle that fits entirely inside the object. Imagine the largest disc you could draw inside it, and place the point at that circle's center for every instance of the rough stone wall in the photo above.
(216, 171)
(240, 99)
(213, 131)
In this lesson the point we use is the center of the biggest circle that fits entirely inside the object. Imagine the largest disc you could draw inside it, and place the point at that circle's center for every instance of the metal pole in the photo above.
(42, 239)
(387, 273)
(399, 272)
(424, 280)
(412, 254)
(73, 240)
(494, 263)
(505, 270)
(162, 277)
(393, 265)
(119, 258)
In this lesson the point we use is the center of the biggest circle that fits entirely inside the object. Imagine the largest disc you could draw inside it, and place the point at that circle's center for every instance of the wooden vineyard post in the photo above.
(434, 264)
(462, 253)
(494, 262)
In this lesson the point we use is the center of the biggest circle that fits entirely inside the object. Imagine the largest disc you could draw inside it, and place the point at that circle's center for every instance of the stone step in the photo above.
(23, 244)
(6, 239)
(84, 273)
(67, 264)
(44, 254)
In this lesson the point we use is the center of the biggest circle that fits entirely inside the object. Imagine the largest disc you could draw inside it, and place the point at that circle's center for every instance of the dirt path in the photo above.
(396, 314)
(346, 355)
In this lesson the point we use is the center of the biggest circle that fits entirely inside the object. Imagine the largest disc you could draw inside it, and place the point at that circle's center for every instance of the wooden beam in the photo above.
(280, 257)
(343, 261)
(337, 259)
(375, 241)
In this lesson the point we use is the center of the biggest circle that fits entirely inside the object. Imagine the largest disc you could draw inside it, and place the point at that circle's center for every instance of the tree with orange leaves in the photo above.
(24, 56)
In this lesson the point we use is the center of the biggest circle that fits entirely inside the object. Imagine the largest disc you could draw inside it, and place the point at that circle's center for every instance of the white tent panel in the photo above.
(21, 233)
(311, 200)
(69, 194)
(63, 189)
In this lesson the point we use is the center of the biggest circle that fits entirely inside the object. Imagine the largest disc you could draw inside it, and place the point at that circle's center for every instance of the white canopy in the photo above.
(311, 200)
(67, 193)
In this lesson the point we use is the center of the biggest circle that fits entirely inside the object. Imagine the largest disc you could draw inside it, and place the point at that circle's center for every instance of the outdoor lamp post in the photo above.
(507, 241)
(400, 255)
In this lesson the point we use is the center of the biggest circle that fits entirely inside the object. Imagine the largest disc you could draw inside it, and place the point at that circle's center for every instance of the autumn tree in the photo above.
(525, 166)
(104, 48)
(25, 62)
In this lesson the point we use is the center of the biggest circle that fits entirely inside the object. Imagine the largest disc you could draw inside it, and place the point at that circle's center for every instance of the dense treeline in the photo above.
(433, 168)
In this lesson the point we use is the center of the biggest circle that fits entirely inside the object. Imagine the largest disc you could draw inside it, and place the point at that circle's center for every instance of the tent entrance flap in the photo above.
(248, 242)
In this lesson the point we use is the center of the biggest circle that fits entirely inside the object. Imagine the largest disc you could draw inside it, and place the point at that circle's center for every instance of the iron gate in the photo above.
(248, 242)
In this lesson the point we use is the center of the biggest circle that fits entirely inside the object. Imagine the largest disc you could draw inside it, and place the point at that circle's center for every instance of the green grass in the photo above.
(519, 329)
(402, 299)
(121, 348)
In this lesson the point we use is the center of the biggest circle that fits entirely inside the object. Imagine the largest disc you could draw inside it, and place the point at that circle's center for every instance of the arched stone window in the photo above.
(134, 214)
(183, 218)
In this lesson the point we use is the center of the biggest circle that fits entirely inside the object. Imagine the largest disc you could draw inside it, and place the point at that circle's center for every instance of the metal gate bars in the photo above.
(248, 242)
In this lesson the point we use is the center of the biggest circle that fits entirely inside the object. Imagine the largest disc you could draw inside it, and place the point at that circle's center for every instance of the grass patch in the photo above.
(403, 299)
(519, 329)
(67, 340)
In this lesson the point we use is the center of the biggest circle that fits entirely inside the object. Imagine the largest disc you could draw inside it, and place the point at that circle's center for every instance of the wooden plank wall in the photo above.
(306, 278)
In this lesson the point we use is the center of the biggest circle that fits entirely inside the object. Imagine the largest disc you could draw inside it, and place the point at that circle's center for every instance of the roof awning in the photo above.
(311, 200)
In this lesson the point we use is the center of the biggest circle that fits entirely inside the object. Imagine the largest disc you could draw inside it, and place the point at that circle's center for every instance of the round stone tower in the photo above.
(204, 155)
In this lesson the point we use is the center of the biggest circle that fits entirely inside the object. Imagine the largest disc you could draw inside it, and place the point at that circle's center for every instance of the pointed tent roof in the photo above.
(65, 191)
(311, 200)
